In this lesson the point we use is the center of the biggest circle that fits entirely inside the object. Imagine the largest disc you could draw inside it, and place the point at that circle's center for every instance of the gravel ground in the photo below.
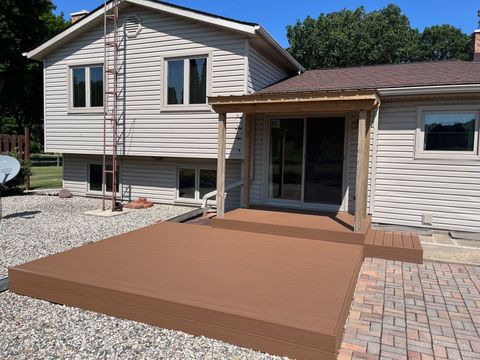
(35, 329)
(35, 226)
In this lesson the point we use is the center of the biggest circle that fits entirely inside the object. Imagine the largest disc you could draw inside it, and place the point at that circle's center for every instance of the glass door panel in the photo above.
(324, 160)
(286, 159)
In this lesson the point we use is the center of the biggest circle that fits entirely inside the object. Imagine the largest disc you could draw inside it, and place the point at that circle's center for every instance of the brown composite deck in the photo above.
(328, 227)
(391, 245)
(277, 294)
(336, 227)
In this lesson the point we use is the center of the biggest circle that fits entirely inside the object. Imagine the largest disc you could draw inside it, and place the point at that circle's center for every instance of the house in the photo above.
(293, 134)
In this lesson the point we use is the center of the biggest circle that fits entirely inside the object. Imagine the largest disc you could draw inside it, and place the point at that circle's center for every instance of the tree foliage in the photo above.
(385, 36)
(443, 42)
(23, 25)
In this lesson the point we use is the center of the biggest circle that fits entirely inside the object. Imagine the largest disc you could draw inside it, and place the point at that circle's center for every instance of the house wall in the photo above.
(155, 179)
(261, 71)
(148, 130)
(405, 187)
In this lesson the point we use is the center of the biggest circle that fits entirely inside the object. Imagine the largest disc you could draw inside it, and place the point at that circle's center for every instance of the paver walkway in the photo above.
(404, 310)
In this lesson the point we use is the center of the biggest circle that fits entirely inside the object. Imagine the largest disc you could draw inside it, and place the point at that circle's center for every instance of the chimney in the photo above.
(476, 45)
(74, 17)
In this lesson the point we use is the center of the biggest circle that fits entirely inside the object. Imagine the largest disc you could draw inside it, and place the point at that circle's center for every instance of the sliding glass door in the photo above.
(286, 159)
(306, 159)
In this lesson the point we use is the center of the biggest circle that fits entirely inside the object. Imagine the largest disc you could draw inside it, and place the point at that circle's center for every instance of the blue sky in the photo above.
(275, 15)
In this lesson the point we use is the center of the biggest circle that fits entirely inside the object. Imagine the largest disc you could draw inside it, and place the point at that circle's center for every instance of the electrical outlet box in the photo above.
(427, 219)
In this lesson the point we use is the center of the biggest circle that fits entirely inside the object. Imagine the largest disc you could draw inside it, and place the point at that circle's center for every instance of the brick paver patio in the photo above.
(409, 311)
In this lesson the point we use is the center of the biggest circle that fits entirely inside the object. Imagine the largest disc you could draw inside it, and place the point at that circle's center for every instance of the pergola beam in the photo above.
(222, 144)
(297, 106)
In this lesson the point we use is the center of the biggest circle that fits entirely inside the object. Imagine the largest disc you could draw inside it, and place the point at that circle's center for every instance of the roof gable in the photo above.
(237, 26)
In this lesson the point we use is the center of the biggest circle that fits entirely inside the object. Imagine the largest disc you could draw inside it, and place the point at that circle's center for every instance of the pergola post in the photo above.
(222, 144)
(247, 158)
(361, 189)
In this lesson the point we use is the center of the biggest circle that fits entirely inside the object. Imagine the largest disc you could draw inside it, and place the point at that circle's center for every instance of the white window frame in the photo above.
(100, 192)
(87, 108)
(197, 199)
(186, 106)
(420, 153)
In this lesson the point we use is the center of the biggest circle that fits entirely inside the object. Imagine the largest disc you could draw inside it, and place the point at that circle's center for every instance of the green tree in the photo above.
(385, 36)
(24, 25)
(442, 42)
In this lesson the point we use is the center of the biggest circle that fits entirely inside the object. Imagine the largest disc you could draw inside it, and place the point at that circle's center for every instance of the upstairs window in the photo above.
(87, 87)
(186, 81)
(447, 133)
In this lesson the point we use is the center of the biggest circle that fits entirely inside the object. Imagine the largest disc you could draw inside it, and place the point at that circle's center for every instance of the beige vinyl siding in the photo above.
(406, 188)
(155, 179)
(261, 71)
(148, 130)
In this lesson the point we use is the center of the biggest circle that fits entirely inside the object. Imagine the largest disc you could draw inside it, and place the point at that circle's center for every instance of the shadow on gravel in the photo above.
(23, 214)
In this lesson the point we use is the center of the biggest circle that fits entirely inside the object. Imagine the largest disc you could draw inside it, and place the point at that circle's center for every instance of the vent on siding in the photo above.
(132, 26)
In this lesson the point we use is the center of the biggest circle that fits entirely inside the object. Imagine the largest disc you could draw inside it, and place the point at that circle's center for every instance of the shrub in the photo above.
(16, 185)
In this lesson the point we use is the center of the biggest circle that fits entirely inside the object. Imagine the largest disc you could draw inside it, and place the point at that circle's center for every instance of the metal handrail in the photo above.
(214, 193)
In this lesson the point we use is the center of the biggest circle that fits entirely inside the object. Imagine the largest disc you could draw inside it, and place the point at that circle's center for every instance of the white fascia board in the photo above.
(209, 19)
(34, 54)
(438, 89)
(232, 25)
(269, 38)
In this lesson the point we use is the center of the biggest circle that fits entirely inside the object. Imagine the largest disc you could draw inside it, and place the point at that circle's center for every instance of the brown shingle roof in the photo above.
(381, 76)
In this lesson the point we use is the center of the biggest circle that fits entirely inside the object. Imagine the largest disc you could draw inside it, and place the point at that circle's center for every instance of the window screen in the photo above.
(78, 87)
(175, 82)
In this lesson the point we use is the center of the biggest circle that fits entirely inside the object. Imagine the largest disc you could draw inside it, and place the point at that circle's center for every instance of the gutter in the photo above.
(429, 90)
(269, 38)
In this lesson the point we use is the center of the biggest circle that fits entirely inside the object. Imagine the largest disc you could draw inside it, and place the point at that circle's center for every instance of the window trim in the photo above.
(185, 56)
(420, 153)
(197, 168)
(87, 109)
(100, 192)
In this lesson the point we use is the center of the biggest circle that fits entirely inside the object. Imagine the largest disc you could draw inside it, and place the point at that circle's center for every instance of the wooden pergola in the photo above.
(363, 101)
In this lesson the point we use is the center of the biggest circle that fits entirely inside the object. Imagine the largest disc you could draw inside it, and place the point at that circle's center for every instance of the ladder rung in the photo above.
(111, 71)
(111, 43)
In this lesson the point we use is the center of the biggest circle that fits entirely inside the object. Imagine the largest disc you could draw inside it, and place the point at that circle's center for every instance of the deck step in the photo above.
(394, 245)
(326, 227)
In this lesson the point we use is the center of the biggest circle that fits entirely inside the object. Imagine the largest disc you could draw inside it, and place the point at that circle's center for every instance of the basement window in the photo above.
(86, 87)
(95, 178)
(447, 133)
(186, 83)
(195, 183)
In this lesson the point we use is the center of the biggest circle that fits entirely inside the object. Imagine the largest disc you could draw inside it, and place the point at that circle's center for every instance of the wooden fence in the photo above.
(20, 143)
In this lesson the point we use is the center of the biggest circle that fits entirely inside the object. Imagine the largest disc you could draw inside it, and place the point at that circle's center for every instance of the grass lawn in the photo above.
(46, 177)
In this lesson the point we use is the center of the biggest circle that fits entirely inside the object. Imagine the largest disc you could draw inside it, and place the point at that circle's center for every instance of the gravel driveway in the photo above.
(35, 226)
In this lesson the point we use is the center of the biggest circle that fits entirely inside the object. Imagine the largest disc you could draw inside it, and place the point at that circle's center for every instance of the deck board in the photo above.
(394, 246)
(282, 295)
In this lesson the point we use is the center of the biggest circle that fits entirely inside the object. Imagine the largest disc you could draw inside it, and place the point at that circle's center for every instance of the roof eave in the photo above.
(272, 42)
(429, 89)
